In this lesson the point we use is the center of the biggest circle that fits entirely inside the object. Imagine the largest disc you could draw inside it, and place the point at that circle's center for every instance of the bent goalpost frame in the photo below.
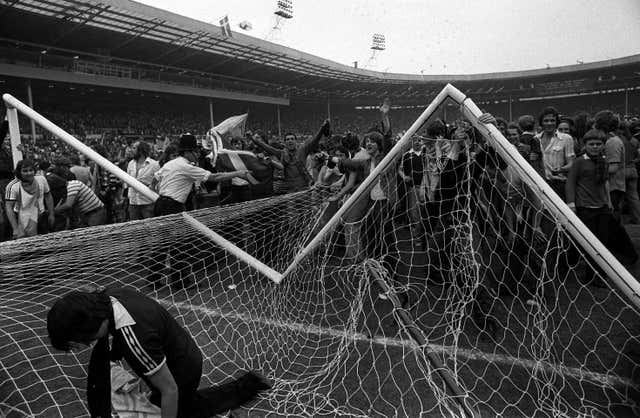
(567, 218)
(13, 104)
(418, 336)
(602, 256)
(366, 183)
(231, 248)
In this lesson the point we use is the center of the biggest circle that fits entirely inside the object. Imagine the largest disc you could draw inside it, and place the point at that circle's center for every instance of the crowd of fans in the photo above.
(589, 161)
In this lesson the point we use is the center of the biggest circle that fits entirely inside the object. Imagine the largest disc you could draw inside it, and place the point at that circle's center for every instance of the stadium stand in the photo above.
(483, 301)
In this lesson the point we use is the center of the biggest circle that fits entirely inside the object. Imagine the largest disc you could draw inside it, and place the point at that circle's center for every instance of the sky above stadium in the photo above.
(438, 37)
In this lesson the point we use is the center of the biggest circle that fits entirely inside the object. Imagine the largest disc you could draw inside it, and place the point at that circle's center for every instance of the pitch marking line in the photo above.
(606, 380)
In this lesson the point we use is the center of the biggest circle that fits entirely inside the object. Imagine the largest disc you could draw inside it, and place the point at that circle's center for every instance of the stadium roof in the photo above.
(129, 33)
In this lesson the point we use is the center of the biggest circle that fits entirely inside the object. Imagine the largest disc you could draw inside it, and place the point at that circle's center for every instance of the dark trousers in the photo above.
(607, 228)
(617, 197)
(558, 186)
(241, 193)
(168, 206)
(177, 249)
(213, 400)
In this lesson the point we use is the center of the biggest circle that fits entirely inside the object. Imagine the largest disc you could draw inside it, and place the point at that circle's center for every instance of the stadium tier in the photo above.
(418, 258)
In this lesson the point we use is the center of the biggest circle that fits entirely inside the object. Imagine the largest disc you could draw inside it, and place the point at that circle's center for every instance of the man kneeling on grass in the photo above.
(154, 345)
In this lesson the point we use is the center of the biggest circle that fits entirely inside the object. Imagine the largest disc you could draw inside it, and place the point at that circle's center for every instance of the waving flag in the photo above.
(233, 126)
(225, 27)
(231, 160)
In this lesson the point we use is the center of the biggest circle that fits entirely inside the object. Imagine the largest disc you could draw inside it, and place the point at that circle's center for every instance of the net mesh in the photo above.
(463, 276)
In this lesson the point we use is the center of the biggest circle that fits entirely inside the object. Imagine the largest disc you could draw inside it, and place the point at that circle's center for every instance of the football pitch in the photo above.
(335, 347)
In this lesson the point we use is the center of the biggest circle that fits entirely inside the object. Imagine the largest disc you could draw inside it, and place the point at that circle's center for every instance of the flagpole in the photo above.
(279, 127)
(211, 112)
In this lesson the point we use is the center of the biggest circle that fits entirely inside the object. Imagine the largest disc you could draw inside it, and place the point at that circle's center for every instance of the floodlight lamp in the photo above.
(378, 42)
(284, 9)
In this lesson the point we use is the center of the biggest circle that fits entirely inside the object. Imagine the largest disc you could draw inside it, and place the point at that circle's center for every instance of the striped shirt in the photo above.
(7, 190)
(85, 199)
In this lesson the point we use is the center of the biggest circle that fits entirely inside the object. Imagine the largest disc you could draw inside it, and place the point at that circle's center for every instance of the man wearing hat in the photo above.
(176, 178)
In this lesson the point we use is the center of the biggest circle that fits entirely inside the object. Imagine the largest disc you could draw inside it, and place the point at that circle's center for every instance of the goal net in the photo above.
(469, 291)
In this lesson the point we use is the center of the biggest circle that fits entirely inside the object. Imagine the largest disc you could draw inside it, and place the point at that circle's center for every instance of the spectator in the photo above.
(240, 188)
(567, 126)
(410, 191)
(513, 136)
(107, 187)
(176, 178)
(143, 168)
(82, 200)
(27, 200)
(608, 123)
(529, 139)
(64, 165)
(557, 150)
(6, 175)
(502, 124)
(376, 206)
(294, 157)
(587, 196)
(631, 145)
(82, 173)
(169, 153)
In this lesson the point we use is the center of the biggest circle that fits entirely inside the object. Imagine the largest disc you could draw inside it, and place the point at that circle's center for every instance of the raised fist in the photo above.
(326, 128)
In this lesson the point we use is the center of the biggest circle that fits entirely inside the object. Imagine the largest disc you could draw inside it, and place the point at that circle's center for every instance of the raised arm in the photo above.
(268, 148)
(311, 143)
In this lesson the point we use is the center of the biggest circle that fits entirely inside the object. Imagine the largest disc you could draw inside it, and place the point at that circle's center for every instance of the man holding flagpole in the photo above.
(294, 156)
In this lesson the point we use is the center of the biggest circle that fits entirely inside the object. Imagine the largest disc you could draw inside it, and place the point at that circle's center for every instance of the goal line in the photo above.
(606, 380)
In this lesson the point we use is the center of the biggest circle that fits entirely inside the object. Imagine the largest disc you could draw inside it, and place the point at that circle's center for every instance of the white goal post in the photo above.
(569, 220)
(14, 105)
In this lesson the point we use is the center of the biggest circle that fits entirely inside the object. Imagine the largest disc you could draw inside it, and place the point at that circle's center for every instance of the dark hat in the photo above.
(187, 142)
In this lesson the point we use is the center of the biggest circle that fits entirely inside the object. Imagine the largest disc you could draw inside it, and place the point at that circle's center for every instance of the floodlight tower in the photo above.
(283, 12)
(377, 45)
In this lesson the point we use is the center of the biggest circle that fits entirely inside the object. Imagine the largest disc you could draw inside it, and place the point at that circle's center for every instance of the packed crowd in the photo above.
(590, 162)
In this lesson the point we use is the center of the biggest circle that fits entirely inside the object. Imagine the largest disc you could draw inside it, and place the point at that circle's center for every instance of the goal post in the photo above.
(577, 229)
(452, 305)
(391, 156)
(602, 256)
(13, 103)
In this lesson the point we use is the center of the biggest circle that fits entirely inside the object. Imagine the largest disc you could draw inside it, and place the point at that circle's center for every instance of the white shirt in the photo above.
(362, 154)
(177, 177)
(144, 174)
(376, 192)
